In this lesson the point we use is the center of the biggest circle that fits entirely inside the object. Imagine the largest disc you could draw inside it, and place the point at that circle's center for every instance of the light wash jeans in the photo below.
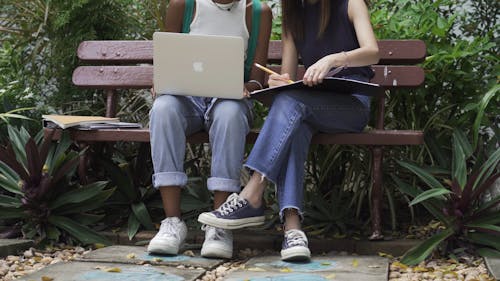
(172, 118)
(283, 143)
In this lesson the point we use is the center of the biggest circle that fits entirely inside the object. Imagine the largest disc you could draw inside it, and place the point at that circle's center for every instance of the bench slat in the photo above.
(391, 51)
(372, 137)
(141, 77)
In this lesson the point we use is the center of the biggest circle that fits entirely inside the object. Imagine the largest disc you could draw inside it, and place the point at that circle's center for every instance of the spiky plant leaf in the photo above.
(431, 193)
(79, 195)
(132, 226)
(420, 252)
(79, 231)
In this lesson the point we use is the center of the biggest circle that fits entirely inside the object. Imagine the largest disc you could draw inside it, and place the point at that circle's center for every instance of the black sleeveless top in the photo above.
(338, 36)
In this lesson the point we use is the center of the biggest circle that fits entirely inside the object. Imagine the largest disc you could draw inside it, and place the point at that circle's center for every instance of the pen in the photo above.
(270, 71)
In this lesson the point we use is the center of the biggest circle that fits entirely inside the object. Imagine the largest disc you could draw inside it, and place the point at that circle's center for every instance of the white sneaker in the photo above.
(295, 246)
(169, 238)
(218, 242)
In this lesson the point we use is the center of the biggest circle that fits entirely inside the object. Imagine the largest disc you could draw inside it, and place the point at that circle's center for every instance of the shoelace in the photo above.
(168, 227)
(233, 203)
(213, 232)
(295, 238)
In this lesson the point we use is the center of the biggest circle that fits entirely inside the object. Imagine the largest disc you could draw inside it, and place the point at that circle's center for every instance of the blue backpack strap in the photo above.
(254, 36)
(188, 16)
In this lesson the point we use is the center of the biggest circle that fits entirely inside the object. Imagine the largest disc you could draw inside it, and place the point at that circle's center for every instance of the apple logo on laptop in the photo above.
(198, 66)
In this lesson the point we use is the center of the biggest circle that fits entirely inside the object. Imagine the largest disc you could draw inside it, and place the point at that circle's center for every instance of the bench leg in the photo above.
(377, 192)
(82, 165)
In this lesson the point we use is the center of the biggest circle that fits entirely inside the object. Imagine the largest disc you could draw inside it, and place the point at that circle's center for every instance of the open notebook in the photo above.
(85, 122)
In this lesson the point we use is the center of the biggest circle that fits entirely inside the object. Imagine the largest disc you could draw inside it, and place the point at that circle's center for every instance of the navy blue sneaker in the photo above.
(294, 247)
(235, 213)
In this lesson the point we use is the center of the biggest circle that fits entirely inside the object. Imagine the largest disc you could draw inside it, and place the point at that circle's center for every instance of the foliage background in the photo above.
(37, 55)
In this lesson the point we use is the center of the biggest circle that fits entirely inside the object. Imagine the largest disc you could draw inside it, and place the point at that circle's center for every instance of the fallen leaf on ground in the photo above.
(286, 269)
(112, 269)
(355, 263)
(326, 263)
(157, 259)
(330, 276)
(131, 256)
(99, 245)
(46, 278)
(189, 253)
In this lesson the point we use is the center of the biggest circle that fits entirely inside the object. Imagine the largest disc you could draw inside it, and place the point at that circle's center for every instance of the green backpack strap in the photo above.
(188, 15)
(254, 36)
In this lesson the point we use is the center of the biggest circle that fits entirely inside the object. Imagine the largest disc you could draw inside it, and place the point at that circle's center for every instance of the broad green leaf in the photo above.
(422, 174)
(120, 179)
(87, 219)
(17, 144)
(419, 253)
(133, 226)
(432, 193)
(78, 231)
(486, 226)
(142, 214)
(87, 205)
(432, 205)
(12, 213)
(480, 112)
(461, 140)
(490, 204)
(8, 173)
(488, 253)
(10, 186)
(485, 239)
(53, 233)
(488, 167)
(78, 195)
(458, 165)
(8, 201)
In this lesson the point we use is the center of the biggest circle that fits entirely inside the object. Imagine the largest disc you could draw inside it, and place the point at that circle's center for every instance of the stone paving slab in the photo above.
(345, 268)
(13, 246)
(122, 254)
(83, 271)
(493, 265)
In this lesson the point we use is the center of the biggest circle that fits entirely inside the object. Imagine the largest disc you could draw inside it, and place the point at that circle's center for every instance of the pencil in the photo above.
(270, 71)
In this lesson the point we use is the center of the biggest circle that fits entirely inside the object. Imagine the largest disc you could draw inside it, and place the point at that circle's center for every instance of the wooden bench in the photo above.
(125, 65)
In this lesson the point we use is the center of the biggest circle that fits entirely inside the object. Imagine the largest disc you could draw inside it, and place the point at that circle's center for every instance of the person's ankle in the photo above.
(254, 201)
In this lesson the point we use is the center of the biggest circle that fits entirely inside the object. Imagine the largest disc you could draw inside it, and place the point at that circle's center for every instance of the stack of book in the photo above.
(86, 122)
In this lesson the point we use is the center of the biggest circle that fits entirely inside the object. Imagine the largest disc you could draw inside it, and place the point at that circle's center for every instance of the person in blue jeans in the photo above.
(328, 35)
(172, 118)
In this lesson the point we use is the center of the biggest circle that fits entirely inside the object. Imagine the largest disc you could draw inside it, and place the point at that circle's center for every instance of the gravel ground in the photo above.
(471, 269)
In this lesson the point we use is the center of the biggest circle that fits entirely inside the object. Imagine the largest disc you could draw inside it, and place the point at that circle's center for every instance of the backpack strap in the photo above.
(254, 35)
(188, 16)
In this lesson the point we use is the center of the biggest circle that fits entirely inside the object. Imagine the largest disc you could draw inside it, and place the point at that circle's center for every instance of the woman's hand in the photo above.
(316, 72)
(278, 80)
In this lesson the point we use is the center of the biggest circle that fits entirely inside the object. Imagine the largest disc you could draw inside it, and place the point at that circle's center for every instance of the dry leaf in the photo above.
(400, 265)
(45, 278)
(189, 253)
(112, 269)
(286, 269)
(326, 263)
(355, 263)
(157, 259)
(330, 276)
(385, 255)
(131, 256)
(255, 269)
(99, 245)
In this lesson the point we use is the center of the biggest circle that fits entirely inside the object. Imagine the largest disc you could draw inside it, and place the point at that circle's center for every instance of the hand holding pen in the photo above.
(275, 79)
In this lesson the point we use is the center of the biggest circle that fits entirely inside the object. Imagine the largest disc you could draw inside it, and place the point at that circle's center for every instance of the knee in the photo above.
(166, 107)
(286, 104)
(228, 113)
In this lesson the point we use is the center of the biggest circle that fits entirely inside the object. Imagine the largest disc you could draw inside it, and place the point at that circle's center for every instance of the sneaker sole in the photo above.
(230, 224)
(159, 248)
(296, 254)
(212, 251)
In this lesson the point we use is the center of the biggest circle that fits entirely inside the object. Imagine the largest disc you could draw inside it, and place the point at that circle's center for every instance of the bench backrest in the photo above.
(127, 65)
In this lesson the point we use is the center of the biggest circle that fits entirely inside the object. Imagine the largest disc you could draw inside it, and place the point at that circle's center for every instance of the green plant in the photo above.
(469, 224)
(40, 199)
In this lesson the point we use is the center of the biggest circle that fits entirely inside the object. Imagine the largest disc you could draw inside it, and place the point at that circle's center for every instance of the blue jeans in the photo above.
(172, 118)
(283, 143)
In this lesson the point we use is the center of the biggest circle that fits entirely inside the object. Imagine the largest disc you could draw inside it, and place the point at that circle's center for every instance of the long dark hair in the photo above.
(293, 17)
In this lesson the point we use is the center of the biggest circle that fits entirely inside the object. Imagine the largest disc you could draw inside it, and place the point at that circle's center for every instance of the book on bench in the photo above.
(329, 84)
(85, 122)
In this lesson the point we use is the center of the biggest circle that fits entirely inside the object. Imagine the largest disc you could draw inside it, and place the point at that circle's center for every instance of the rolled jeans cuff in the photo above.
(221, 184)
(169, 179)
(260, 171)
(299, 211)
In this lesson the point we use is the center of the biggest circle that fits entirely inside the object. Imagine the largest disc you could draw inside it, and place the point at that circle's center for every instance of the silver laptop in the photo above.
(198, 65)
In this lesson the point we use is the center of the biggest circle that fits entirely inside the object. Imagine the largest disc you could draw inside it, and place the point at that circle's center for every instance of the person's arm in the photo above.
(366, 54)
(175, 16)
(289, 61)
(256, 74)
